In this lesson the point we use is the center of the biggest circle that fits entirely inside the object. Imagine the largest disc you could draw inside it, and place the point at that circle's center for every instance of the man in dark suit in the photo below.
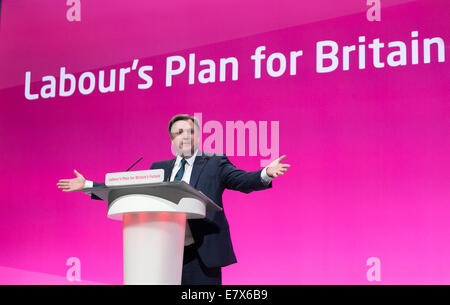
(208, 245)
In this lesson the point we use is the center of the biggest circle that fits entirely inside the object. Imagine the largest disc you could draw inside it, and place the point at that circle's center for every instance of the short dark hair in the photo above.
(183, 117)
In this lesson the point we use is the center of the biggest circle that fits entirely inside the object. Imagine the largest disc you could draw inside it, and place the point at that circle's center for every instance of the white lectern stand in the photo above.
(154, 221)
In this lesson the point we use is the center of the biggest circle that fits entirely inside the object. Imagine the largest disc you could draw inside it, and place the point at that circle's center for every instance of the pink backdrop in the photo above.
(369, 148)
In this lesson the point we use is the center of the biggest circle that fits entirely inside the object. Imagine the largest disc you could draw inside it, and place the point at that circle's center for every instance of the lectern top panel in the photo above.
(172, 191)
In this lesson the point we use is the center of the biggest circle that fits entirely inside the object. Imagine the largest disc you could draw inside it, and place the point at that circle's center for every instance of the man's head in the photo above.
(184, 131)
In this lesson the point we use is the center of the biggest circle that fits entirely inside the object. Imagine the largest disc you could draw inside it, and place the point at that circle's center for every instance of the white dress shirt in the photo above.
(188, 240)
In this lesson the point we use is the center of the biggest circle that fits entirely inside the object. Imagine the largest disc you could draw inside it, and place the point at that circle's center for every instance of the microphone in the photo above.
(134, 164)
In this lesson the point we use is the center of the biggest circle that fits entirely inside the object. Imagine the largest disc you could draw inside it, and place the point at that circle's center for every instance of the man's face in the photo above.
(184, 136)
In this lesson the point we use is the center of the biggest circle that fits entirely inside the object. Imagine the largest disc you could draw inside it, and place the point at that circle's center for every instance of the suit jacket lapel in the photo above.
(199, 164)
(168, 170)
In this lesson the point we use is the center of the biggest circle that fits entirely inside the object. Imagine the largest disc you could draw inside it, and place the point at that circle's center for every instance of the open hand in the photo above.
(276, 168)
(71, 185)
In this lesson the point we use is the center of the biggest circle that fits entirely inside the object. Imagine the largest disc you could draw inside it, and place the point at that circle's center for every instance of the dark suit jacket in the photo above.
(211, 175)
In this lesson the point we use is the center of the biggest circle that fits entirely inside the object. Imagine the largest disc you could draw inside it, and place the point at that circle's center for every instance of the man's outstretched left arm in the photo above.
(246, 182)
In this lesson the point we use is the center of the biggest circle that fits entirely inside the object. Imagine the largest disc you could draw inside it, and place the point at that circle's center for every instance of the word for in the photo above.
(280, 58)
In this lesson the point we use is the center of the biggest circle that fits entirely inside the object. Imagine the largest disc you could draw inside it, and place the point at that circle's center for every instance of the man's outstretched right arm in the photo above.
(77, 184)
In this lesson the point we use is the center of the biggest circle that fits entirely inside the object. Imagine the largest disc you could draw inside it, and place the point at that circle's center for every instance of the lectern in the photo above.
(154, 221)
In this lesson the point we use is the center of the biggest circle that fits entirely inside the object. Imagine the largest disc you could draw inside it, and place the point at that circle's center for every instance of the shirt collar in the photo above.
(189, 161)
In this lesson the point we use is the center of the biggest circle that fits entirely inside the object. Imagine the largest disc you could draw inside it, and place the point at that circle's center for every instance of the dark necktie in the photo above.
(180, 172)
